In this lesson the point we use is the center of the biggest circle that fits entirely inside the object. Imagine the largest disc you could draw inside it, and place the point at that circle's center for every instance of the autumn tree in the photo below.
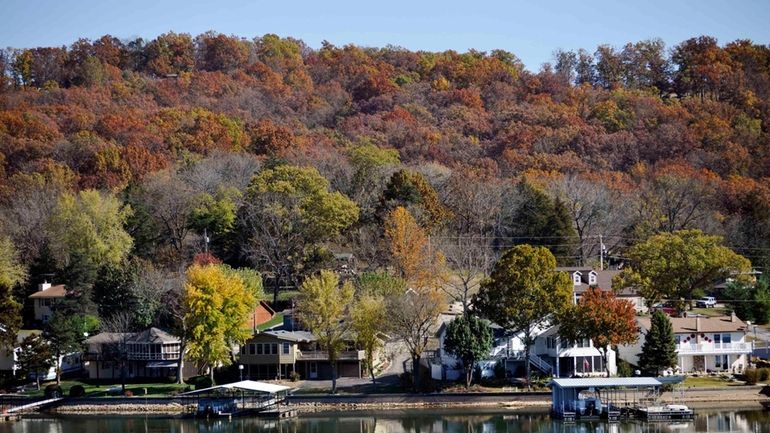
(604, 319)
(659, 348)
(413, 258)
(470, 340)
(217, 305)
(523, 292)
(368, 316)
(469, 259)
(411, 190)
(324, 307)
(680, 266)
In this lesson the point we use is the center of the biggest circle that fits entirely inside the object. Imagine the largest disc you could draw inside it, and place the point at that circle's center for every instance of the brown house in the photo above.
(262, 313)
(277, 353)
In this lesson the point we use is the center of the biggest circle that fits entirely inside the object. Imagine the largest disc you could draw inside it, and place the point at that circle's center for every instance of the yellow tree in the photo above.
(323, 307)
(217, 302)
(413, 258)
(368, 319)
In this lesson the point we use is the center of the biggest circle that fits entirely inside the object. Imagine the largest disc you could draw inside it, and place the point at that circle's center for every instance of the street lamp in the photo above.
(240, 369)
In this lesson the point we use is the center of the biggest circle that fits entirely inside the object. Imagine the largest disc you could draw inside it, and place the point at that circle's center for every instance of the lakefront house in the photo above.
(44, 300)
(703, 344)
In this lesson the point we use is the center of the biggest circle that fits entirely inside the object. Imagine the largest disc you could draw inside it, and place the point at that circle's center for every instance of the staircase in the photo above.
(540, 364)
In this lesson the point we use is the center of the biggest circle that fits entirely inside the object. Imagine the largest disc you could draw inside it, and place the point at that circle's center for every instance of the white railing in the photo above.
(713, 348)
(319, 355)
(540, 363)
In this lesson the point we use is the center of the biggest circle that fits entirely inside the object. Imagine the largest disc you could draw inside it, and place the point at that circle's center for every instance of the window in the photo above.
(576, 278)
(592, 279)
(727, 338)
(252, 349)
(717, 338)
(275, 348)
(285, 348)
(243, 349)
(678, 339)
(259, 349)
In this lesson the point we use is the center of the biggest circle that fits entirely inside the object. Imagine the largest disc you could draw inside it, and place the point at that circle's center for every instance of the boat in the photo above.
(666, 412)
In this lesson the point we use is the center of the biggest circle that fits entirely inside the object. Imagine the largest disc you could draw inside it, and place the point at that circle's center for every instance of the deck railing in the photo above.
(706, 348)
(320, 355)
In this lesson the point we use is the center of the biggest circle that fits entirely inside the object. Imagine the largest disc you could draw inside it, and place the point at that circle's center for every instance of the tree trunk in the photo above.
(211, 374)
(58, 368)
(180, 364)
(527, 342)
(37, 379)
(604, 358)
(468, 375)
(416, 372)
(370, 364)
(334, 375)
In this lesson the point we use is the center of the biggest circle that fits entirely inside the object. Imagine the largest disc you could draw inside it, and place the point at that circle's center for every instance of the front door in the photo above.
(699, 363)
(313, 370)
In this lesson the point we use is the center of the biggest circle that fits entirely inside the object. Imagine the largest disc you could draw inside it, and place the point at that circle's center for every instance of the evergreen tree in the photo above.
(470, 340)
(659, 348)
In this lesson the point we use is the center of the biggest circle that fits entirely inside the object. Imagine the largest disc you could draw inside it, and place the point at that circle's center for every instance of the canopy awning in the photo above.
(162, 364)
(606, 382)
(244, 385)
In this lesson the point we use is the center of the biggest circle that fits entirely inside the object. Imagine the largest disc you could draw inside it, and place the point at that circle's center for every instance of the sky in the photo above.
(532, 30)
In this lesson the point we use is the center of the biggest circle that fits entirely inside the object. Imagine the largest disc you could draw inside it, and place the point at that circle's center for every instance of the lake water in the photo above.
(413, 421)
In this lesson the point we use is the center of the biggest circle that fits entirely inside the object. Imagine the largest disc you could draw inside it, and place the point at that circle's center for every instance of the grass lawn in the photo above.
(710, 312)
(276, 320)
(709, 382)
(286, 295)
(101, 390)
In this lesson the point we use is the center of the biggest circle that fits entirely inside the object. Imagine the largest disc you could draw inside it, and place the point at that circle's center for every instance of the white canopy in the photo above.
(245, 385)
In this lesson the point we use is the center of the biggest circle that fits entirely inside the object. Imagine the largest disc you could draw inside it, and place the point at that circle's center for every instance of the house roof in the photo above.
(151, 335)
(605, 382)
(244, 385)
(603, 280)
(57, 291)
(687, 325)
(295, 336)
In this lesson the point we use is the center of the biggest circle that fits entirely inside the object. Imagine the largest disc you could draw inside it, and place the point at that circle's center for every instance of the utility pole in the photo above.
(601, 253)
(205, 241)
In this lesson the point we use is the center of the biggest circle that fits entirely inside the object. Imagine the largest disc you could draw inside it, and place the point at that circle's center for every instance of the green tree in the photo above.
(659, 348)
(469, 339)
(542, 221)
(12, 273)
(217, 304)
(35, 356)
(288, 212)
(89, 225)
(323, 306)
(66, 333)
(411, 190)
(379, 283)
(750, 301)
(368, 319)
(523, 292)
(12, 270)
(680, 266)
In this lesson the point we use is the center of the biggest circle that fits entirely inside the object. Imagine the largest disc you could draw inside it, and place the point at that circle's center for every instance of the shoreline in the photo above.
(711, 398)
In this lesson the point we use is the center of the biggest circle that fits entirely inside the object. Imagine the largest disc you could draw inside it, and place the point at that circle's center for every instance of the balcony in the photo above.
(113, 356)
(320, 355)
(712, 348)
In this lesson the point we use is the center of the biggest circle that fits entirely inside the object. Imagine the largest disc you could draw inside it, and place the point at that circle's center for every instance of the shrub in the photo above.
(200, 382)
(294, 376)
(128, 393)
(77, 391)
(53, 391)
(751, 376)
(763, 375)
(624, 369)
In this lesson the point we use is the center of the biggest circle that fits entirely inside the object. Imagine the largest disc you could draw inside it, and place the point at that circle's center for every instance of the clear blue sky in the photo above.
(530, 29)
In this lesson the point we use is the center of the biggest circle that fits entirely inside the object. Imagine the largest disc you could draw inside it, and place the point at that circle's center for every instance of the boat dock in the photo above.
(612, 399)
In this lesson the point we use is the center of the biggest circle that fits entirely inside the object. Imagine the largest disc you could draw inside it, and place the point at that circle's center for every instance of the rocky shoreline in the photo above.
(712, 397)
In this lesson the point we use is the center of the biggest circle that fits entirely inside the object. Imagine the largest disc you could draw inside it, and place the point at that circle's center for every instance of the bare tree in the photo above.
(121, 324)
(413, 319)
(169, 200)
(470, 259)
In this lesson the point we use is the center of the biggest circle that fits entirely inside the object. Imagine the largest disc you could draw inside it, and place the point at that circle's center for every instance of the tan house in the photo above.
(151, 353)
(702, 344)
(584, 278)
(277, 353)
(44, 299)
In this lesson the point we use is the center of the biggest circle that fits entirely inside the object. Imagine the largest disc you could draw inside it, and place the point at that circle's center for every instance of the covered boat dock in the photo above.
(602, 398)
(239, 398)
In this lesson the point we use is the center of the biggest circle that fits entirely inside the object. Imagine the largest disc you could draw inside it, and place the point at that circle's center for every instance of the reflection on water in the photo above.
(416, 421)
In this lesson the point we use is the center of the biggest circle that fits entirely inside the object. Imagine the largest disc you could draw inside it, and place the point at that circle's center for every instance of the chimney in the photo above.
(697, 323)
(733, 317)
(45, 285)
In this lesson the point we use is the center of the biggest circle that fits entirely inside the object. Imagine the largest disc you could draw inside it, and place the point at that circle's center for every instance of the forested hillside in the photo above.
(117, 156)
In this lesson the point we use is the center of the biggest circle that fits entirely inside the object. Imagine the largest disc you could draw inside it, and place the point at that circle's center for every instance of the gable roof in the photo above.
(57, 291)
(151, 335)
(688, 325)
(603, 280)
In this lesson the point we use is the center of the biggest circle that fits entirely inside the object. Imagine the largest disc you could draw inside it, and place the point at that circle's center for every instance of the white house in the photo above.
(44, 299)
(702, 343)
(584, 278)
